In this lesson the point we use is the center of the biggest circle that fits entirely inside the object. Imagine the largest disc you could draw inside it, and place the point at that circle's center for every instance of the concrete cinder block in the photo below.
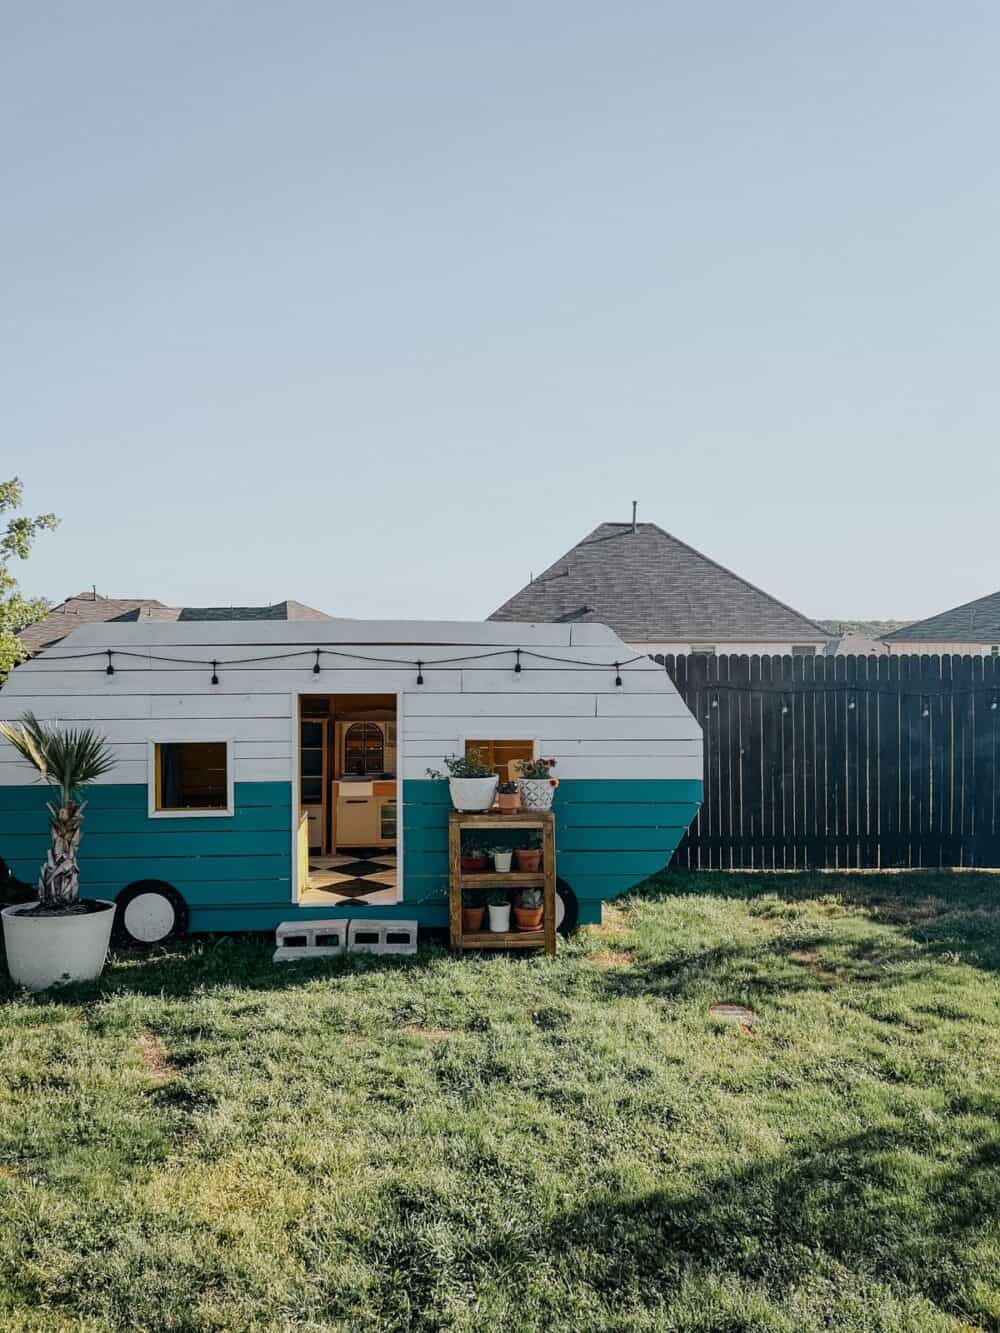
(310, 939)
(382, 937)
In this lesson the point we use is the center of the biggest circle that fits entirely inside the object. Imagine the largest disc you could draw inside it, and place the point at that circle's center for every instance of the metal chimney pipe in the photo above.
(635, 506)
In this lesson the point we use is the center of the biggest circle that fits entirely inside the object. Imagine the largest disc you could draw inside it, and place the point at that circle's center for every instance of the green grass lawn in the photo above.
(207, 1141)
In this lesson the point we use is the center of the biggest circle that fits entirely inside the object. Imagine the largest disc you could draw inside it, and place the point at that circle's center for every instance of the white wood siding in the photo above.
(594, 728)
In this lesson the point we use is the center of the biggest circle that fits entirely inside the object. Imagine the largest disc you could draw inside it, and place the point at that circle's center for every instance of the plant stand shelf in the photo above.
(545, 879)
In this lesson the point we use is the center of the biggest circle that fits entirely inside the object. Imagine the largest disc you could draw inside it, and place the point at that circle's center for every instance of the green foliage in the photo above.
(463, 766)
(204, 1140)
(537, 769)
(529, 899)
(67, 760)
(16, 538)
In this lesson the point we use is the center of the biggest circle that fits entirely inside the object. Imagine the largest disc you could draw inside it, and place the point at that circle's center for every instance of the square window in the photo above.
(803, 650)
(191, 777)
(707, 648)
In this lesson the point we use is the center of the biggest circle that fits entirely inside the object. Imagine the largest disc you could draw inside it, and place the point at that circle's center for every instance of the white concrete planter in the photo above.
(500, 917)
(536, 793)
(471, 794)
(45, 950)
(501, 860)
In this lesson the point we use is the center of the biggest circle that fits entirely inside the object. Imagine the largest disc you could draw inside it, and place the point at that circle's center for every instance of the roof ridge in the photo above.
(731, 572)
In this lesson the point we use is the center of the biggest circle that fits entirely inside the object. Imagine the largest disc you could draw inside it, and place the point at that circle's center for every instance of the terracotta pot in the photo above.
(472, 919)
(475, 865)
(509, 803)
(528, 918)
(528, 859)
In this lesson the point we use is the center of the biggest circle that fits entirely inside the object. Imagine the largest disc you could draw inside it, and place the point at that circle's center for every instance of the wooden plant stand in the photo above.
(544, 879)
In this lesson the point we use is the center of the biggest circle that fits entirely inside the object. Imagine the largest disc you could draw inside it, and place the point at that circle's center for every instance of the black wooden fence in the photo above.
(844, 762)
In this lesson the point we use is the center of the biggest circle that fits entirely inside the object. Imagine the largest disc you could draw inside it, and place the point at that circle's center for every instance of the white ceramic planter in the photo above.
(500, 917)
(501, 860)
(470, 794)
(536, 793)
(45, 950)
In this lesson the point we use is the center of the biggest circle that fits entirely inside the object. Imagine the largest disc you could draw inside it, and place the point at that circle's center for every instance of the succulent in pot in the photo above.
(498, 905)
(508, 798)
(537, 785)
(502, 858)
(473, 911)
(475, 856)
(528, 909)
(60, 937)
(528, 859)
(471, 783)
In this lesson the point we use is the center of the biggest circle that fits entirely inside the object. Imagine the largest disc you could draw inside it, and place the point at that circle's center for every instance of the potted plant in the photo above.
(528, 859)
(472, 783)
(501, 858)
(499, 909)
(475, 857)
(536, 784)
(59, 937)
(473, 912)
(508, 798)
(528, 909)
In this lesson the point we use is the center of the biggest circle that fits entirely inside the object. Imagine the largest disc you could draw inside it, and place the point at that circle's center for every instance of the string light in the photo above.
(316, 664)
(215, 673)
(109, 669)
(517, 664)
(420, 673)
(618, 674)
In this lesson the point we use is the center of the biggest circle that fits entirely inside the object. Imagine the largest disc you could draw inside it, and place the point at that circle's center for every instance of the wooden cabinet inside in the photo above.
(545, 879)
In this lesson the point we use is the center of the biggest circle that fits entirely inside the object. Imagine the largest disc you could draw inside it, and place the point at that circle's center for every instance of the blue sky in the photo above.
(385, 306)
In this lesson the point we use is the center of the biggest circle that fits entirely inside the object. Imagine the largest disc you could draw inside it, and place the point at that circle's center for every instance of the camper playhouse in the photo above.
(274, 773)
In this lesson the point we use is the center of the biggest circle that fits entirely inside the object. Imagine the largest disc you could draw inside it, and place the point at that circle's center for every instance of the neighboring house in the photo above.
(971, 629)
(89, 608)
(662, 596)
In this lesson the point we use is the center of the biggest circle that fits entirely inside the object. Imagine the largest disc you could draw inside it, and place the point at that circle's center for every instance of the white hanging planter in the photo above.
(472, 794)
(44, 951)
(500, 917)
(536, 793)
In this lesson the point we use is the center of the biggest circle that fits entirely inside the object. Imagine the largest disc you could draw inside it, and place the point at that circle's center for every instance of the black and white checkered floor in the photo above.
(360, 874)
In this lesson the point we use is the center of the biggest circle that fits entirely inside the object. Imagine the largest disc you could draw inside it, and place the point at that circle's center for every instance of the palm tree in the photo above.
(68, 761)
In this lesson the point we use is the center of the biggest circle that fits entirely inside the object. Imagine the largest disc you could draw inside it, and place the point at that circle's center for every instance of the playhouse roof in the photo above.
(652, 588)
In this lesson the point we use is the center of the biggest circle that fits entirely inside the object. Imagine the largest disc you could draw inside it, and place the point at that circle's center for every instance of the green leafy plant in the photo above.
(536, 770)
(529, 899)
(68, 761)
(17, 612)
(498, 899)
(507, 788)
(463, 766)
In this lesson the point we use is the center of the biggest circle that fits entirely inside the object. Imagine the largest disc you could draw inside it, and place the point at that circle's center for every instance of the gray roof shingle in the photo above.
(973, 622)
(89, 609)
(651, 588)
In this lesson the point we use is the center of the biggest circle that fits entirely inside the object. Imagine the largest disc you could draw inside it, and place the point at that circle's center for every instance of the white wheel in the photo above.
(149, 913)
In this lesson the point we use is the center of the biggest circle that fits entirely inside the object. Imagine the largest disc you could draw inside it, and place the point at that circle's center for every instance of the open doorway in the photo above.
(348, 799)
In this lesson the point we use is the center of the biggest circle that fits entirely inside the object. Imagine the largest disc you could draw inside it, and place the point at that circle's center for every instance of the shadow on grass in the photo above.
(203, 964)
(898, 1208)
(946, 913)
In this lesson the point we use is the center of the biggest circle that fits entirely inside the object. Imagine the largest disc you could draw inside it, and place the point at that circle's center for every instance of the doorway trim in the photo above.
(296, 730)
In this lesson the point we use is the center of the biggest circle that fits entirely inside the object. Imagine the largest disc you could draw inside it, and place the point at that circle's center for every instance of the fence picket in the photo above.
(844, 762)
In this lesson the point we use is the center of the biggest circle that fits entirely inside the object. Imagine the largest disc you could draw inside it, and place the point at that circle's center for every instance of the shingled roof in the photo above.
(89, 608)
(651, 588)
(86, 608)
(972, 622)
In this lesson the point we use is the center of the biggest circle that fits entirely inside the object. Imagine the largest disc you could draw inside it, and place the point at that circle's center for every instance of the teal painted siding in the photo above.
(235, 871)
(241, 858)
(610, 835)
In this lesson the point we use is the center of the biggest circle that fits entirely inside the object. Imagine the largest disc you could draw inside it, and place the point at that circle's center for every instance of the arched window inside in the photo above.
(364, 749)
